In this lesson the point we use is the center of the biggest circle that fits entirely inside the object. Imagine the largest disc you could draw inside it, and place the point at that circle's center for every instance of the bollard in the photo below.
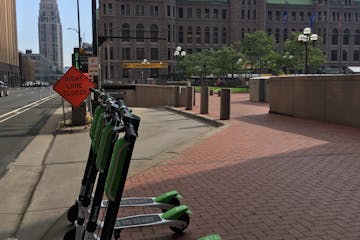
(225, 104)
(78, 115)
(194, 102)
(177, 96)
(204, 102)
(211, 92)
(189, 93)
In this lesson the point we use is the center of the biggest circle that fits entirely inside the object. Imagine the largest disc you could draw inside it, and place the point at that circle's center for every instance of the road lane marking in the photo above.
(18, 111)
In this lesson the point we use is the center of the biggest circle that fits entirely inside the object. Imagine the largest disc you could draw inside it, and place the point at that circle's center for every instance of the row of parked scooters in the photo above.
(113, 133)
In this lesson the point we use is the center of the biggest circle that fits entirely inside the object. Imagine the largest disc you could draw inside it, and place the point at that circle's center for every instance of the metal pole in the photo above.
(79, 32)
(306, 58)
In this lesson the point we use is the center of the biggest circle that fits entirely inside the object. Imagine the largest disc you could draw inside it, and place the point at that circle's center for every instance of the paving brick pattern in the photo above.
(265, 176)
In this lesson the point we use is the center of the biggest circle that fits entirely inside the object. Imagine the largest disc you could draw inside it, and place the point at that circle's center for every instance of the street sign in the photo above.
(93, 66)
(145, 65)
(74, 86)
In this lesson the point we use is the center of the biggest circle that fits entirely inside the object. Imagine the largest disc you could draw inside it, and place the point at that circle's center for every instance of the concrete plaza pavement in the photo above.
(265, 176)
(262, 176)
(45, 179)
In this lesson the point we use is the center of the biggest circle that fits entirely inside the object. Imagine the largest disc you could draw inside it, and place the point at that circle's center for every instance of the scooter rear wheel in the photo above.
(72, 213)
(70, 235)
(185, 218)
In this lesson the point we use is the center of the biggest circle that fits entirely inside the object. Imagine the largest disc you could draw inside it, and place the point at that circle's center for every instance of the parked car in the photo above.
(4, 90)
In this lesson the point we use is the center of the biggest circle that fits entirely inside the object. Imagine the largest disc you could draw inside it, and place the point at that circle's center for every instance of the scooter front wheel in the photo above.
(72, 213)
(186, 219)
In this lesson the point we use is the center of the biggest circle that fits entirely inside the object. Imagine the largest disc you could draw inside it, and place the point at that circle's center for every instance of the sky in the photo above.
(27, 12)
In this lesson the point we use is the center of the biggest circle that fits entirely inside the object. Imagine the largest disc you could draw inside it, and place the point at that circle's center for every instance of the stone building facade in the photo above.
(151, 30)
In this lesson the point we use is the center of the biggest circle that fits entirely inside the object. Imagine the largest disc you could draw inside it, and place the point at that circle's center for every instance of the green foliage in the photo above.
(292, 47)
(259, 51)
(256, 53)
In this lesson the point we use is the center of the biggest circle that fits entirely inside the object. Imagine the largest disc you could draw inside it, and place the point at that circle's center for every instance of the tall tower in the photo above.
(50, 33)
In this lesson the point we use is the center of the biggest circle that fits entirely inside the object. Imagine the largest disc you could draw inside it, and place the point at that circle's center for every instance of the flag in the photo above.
(312, 19)
(285, 19)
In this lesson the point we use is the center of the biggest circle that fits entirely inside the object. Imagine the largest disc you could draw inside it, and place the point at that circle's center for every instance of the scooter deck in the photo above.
(137, 221)
(134, 201)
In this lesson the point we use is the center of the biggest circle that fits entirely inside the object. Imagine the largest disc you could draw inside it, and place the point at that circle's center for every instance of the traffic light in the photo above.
(76, 59)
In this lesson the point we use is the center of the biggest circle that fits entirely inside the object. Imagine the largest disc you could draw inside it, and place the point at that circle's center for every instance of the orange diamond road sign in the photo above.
(74, 86)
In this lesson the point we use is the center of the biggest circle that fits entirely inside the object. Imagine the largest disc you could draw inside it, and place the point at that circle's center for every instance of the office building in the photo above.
(151, 30)
(9, 60)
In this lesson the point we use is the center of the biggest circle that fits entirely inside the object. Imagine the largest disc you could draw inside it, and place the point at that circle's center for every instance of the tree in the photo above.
(259, 50)
(224, 61)
(316, 57)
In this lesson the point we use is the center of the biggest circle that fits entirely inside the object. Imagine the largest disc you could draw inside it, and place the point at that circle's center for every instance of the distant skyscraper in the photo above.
(50, 33)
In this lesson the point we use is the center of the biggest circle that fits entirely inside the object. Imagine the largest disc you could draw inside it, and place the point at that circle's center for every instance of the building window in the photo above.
(140, 53)
(140, 35)
(357, 37)
(224, 35)
(207, 35)
(110, 8)
(181, 34)
(168, 11)
(154, 33)
(125, 32)
(125, 9)
(154, 54)
(254, 17)
(277, 35)
(139, 10)
(269, 15)
(216, 14)
(356, 55)
(277, 15)
(216, 35)
(334, 55)
(125, 73)
(126, 53)
(285, 34)
(334, 37)
(189, 34)
(346, 37)
(301, 16)
(224, 14)
(344, 55)
(189, 13)
(198, 35)
(154, 11)
(104, 9)
(198, 13)
(242, 14)
(293, 16)
(207, 13)
(169, 33)
(180, 13)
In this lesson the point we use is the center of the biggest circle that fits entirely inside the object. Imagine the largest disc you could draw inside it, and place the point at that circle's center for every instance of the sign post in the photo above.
(74, 87)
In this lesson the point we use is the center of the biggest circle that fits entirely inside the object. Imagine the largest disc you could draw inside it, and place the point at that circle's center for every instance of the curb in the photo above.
(209, 120)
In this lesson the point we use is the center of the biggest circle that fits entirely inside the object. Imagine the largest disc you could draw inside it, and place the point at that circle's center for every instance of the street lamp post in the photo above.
(178, 53)
(305, 38)
(144, 61)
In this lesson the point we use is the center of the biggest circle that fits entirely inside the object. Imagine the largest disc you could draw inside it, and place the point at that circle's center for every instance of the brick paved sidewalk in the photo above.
(265, 176)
